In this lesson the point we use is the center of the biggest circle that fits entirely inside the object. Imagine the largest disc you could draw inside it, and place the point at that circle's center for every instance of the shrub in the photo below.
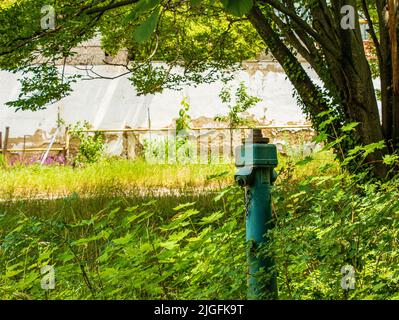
(91, 145)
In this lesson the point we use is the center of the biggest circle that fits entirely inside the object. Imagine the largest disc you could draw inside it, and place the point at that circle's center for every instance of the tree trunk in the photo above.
(387, 101)
(309, 93)
(389, 98)
(359, 95)
(351, 76)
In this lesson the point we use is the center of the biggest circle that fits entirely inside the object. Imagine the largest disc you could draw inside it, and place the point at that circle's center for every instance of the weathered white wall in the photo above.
(113, 104)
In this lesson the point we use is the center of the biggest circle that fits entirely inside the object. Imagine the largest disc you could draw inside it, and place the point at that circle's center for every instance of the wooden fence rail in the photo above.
(66, 147)
(196, 129)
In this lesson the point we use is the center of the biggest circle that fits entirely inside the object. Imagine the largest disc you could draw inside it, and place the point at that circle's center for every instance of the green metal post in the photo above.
(256, 160)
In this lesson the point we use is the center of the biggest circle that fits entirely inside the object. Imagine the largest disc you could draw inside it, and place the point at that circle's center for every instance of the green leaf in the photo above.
(221, 195)
(237, 7)
(66, 256)
(321, 137)
(144, 5)
(141, 7)
(212, 218)
(324, 113)
(350, 126)
(123, 240)
(145, 30)
(390, 159)
(334, 143)
(170, 245)
(185, 205)
(304, 161)
(85, 241)
(370, 148)
(178, 236)
(325, 123)
(137, 218)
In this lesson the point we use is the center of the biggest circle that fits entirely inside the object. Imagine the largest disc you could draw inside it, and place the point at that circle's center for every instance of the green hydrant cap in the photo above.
(256, 151)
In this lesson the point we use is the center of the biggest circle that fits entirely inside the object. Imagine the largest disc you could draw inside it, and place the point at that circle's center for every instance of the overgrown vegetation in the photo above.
(115, 245)
(210, 40)
(130, 249)
(91, 145)
(327, 221)
(137, 230)
(237, 106)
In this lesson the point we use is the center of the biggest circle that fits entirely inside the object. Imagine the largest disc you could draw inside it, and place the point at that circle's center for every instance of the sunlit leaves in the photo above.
(349, 127)
(41, 85)
(305, 161)
(328, 221)
(390, 159)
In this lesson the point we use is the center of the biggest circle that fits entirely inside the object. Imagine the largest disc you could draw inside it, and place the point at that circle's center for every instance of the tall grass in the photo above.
(115, 175)
(107, 176)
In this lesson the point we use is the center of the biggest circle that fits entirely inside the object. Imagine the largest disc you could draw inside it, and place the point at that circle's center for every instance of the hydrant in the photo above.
(255, 160)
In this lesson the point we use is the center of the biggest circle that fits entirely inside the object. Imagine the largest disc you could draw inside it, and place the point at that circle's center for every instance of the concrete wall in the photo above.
(114, 104)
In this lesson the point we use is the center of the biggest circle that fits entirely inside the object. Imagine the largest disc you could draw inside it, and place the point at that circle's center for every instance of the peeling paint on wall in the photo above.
(113, 104)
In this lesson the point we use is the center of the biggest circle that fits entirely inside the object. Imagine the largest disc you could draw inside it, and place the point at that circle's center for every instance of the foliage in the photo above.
(91, 146)
(325, 222)
(237, 7)
(40, 86)
(241, 103)
(183, 121)
(143, 27)
(170, 150)
(237, 106)
(129, 253)
(183, 126)
(324, 218)
(332, 219)
(3, 162)
(354, 157)
(203, 41)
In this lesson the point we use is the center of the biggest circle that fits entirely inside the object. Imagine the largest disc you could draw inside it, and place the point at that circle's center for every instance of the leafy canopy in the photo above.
(196, 41)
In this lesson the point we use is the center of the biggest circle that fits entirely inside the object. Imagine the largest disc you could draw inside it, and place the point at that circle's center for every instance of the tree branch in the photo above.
(311, 96)
(372, 33)
(322, 41)
(111, 6)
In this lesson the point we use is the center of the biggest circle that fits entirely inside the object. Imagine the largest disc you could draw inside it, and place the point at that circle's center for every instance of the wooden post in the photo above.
(66, 146)
(221, 148)
(199, 147)
(5, 145)
(209, 149)
(242, 134)
(231, 143)
(167, 149)
(125, 143)
(132, 150)
(24, 147)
